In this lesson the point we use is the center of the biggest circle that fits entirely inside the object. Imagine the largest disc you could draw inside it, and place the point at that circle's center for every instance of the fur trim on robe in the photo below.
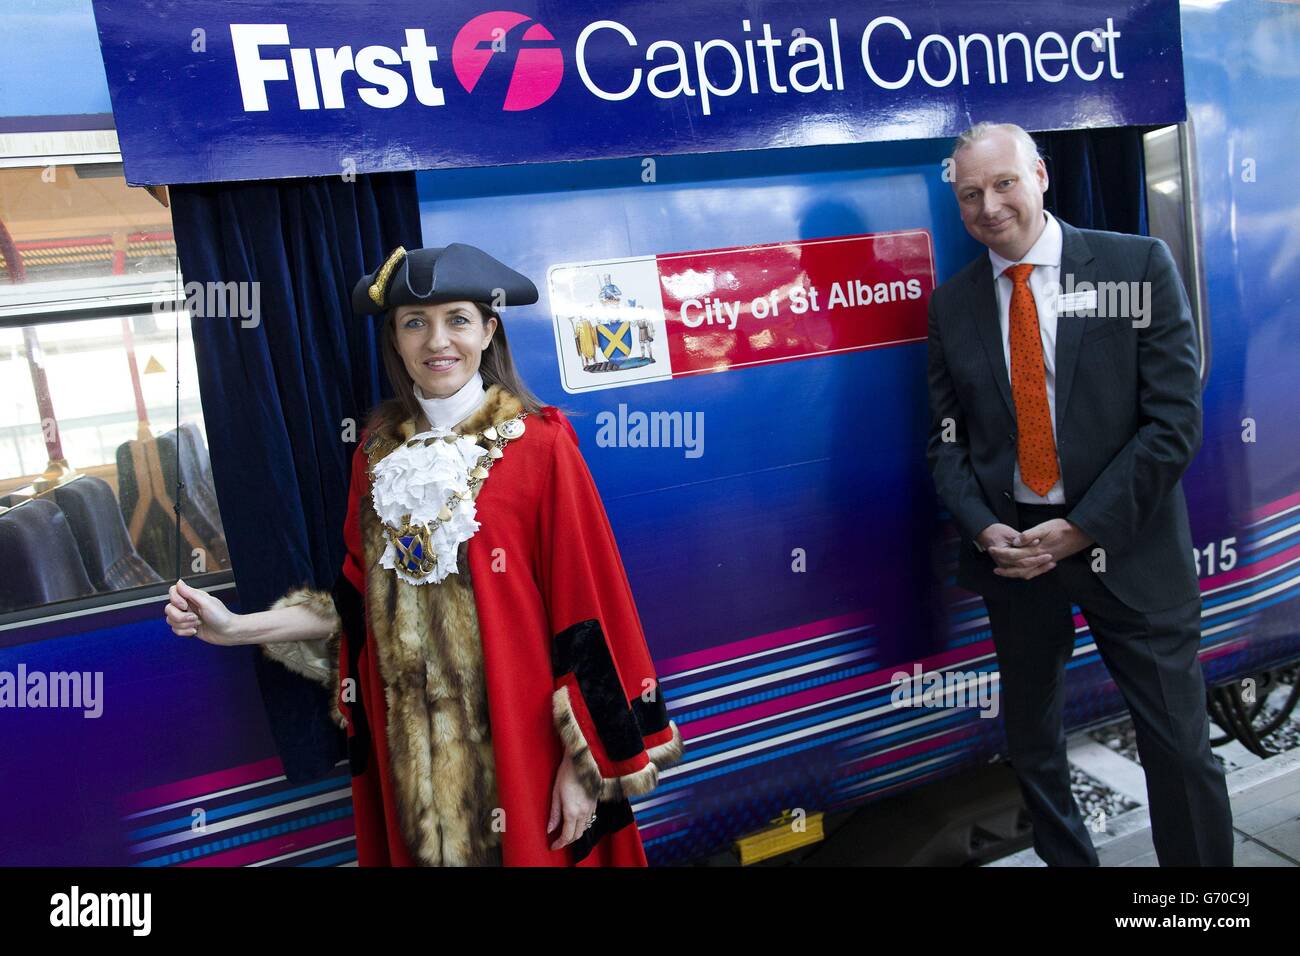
(632, 784)
(427, 645)
(316, 660)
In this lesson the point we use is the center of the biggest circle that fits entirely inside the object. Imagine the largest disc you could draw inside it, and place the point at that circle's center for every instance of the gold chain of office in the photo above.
(416, 554)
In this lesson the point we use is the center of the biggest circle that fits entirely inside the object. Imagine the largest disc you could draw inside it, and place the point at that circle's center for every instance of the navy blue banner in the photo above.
(208, 90)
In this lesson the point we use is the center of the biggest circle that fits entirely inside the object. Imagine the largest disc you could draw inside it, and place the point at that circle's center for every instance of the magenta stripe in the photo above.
(285, 843)
(861, 795)
(668, 667)
(849, 685)
(778, 705)
(1227, 647)
(783, 704)
(1273, 507)
(1252, 569)
(900, 753)
(750, 645)
(956, 655)
(202, 785)
(665, 827)
(931, 743)
(1225, 578)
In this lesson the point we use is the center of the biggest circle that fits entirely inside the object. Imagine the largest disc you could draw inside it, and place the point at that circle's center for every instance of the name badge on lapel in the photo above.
(1071, 302)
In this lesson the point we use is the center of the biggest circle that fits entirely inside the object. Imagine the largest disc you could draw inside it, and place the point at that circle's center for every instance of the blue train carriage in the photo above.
(760, 453)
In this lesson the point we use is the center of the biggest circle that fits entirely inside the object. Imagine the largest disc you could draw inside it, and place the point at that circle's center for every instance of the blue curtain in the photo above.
(1097, 178)
(279, 392)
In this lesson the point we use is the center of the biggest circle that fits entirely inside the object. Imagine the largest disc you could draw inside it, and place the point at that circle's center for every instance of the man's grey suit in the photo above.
(1128, 422)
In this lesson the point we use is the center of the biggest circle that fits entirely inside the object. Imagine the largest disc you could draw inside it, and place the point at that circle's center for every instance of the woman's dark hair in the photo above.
(497, 366)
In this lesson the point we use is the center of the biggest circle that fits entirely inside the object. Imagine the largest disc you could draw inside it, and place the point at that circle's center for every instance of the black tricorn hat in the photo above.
(451, 273)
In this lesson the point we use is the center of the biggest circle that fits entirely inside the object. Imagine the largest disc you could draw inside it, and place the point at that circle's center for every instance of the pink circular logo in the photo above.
(508, 51)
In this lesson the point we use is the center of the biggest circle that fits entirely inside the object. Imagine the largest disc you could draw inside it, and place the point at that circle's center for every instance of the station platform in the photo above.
(1265, 815)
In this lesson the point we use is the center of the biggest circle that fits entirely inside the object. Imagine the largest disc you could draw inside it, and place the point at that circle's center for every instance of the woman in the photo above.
(482, 644)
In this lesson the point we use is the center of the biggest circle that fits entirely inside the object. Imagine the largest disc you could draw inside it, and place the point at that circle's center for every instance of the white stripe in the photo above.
(929, 716)
(727, 689)
(1205, 612)
(1252, 598)
(207, 797)
(934, 714)
(644, 827)
(968, 663)
(791, 737)
(834, 701)
(785, 714)
(103, 608)
(757, 654)
(215, 795)
(235, 822)
(1275, 536)
(311, 849)
(1080, 650)
(970, 625)
(1273, 517)
(1224, 627)
(1251, 580)
(899, 772)
(656, 801)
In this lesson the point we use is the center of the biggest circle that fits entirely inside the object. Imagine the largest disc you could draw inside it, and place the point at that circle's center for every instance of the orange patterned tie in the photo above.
(1035, 446)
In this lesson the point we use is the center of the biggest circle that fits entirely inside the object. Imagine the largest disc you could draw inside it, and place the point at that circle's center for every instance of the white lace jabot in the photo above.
(413, 483)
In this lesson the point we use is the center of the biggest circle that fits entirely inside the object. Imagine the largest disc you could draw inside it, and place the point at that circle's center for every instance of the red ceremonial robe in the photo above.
(564, 660)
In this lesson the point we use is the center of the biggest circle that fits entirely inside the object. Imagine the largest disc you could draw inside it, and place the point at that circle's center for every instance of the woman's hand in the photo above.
(192, 612)
(571, 805)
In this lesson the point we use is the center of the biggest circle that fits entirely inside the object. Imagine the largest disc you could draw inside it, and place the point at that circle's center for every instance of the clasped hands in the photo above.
(1034, 551)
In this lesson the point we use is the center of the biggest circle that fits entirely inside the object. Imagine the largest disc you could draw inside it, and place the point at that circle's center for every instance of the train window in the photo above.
(74, 233)
(100, 419)
(1171, 212)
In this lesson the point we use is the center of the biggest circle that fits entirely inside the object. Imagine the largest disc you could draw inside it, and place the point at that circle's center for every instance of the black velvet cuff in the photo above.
(582, 651)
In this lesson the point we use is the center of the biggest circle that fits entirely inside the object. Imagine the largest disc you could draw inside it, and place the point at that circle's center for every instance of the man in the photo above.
(1059, 436)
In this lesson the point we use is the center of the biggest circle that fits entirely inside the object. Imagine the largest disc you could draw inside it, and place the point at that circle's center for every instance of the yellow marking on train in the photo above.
(788, 832)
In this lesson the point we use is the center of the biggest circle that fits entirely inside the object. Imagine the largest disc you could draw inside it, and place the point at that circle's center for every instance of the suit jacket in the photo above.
(1128, 418)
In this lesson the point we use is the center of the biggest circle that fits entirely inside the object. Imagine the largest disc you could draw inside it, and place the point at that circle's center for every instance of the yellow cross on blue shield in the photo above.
(615, 337)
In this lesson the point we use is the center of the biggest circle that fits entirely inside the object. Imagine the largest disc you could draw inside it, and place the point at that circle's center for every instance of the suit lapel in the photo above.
(984, 305)
(1076, 260)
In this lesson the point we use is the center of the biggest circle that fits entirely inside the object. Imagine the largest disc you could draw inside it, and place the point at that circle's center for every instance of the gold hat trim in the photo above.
(380, 285)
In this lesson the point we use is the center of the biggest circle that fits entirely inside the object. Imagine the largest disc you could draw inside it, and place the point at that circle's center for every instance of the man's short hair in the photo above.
(1028, 147)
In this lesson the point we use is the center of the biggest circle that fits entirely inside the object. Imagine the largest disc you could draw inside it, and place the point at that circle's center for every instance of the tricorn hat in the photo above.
(450, 273)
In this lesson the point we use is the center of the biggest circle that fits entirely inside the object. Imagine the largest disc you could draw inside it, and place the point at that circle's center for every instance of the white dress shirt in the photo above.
(1045, 284)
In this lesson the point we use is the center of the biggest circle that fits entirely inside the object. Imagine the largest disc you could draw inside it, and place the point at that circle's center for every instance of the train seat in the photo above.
(110, 558)
(147, 474)
(41, 563)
